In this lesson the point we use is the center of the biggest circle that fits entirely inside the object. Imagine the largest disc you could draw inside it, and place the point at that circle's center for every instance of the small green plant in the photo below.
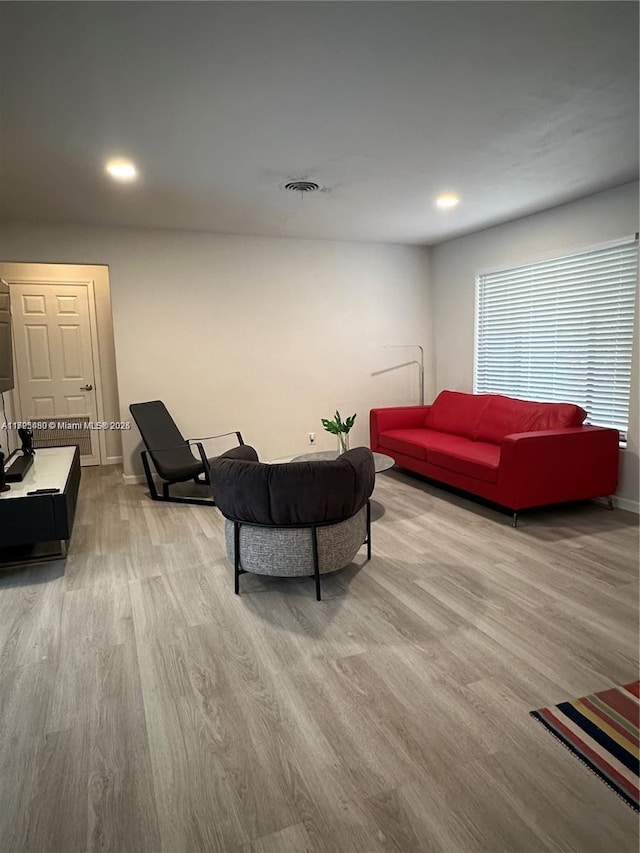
(340, 428)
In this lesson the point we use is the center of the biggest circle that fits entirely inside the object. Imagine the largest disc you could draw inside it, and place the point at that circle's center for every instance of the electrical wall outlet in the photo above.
(312, 437)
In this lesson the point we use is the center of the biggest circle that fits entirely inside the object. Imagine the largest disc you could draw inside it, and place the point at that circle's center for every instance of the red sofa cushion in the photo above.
(406, 441)
(505, 416)
(475, 459)
(418, 443)
(457, 413)
(454, 452)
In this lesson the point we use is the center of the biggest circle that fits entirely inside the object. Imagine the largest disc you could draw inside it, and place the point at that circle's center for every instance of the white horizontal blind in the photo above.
(561, 330)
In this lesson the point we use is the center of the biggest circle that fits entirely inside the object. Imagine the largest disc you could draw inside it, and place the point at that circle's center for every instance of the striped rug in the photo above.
(602, 731)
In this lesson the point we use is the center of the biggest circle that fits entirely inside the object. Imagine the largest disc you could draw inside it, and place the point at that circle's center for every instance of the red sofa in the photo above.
(513, 452)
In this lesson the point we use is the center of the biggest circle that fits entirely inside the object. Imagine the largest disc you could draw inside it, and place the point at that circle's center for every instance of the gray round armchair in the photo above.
(293, 519)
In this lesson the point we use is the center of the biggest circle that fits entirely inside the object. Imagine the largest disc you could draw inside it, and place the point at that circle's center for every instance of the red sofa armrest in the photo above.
(395, 417)
(552, 466)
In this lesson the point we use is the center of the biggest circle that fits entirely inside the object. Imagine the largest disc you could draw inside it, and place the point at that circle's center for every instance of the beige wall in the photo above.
(455, 264)
(257, 334)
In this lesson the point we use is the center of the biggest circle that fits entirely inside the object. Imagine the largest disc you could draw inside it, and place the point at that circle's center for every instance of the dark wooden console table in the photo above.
(28, 520)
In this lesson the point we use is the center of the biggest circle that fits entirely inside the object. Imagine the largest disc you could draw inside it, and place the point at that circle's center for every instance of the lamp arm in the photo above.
(420, 365)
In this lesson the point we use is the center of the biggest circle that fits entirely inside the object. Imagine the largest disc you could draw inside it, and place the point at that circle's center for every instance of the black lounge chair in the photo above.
(170, 452)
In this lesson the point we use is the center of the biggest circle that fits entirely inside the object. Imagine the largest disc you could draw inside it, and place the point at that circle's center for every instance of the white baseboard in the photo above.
(113, 460)
(627, 503)
(621, 503)
(134, 479)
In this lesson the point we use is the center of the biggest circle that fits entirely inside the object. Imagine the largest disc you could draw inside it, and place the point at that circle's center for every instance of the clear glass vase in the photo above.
(343, 442)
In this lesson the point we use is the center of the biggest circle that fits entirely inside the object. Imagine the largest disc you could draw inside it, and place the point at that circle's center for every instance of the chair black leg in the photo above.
(236, 556)
(316, 561)
(166, 495)
(368, 530)
(147, 472)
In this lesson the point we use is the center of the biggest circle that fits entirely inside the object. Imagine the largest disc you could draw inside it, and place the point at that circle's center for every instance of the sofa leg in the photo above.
(610, 505)
(514, 520)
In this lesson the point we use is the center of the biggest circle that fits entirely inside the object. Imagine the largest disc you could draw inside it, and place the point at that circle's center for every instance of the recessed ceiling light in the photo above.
(447, 200)
(121, 170)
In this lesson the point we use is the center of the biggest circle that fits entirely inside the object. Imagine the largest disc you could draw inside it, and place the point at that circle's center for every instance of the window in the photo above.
(561, 330)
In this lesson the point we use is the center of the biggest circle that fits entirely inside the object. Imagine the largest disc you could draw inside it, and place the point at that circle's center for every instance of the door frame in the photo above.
(42, 280)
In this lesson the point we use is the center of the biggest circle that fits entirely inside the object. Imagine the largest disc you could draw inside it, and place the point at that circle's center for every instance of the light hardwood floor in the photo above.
(144, 707)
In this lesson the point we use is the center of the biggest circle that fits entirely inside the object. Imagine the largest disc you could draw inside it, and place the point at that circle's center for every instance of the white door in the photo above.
(55, 376)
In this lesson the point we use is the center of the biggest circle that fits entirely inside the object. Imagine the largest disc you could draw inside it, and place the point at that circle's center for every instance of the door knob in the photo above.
(86, 387)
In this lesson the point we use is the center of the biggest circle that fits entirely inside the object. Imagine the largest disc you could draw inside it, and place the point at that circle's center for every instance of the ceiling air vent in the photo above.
(302, 186)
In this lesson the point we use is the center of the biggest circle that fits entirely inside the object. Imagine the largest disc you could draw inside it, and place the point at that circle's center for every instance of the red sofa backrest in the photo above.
(506, 415)
(490, 417)
(456, 413)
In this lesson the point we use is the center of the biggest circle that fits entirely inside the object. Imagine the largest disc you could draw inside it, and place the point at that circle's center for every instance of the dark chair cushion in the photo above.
(294, 492)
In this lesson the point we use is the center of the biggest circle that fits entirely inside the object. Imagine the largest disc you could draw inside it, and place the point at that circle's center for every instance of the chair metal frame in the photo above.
(237, 524)
(147, 455)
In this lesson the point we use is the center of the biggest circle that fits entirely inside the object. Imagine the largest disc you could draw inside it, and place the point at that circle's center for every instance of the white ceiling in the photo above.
(515, 106)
